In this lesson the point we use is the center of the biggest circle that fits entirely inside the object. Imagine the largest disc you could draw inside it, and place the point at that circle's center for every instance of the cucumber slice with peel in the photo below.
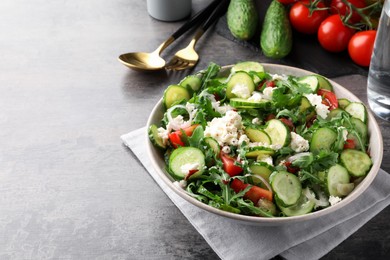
(343, 102)
(191, 82)
(302, 207)
(249, 66)
(155, 138)
(257, 135)
(323, 83)
(322, 139)
(244, 103)
(310, 81)
(261, 169)
(336, 175)
(287, 188)
(357, 163)
(186, 162)
(357, 110)
(254, 152)
(240, 85)
(278, 132)
(175, 94)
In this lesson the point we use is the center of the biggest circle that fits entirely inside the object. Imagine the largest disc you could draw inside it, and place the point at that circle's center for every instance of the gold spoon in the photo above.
(153, 61)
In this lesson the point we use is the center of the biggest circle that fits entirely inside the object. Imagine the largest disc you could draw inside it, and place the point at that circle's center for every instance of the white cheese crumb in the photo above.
(316, 101)
(256, 121)
(186, 168)
(267, 159)
(226, 130)
(163, 134)
(333, 200)
(226, 149)
(256, 97)
(298, 143)
(267, 93)
(241, 91)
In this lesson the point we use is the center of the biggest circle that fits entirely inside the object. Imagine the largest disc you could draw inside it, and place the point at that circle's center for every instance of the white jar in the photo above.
(169, 10)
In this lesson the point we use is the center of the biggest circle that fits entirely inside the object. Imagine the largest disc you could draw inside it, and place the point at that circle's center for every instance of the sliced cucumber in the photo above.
(343, 102)
(287, 188)
(357, 163)
(254, 152)
(244, 103)
(191, 82)
(240, 85)
(337, 174)
(249, 66)
(357, 110)
(186, 157)
(311, 82)
(213, 144)
(257, 135)
(362, 130)
(278, 132)
(155, 138)
(323, 83)
(302, 207)
(334, 113)
(175, 94)
(322, 139)
(261, 169)
(305, 104)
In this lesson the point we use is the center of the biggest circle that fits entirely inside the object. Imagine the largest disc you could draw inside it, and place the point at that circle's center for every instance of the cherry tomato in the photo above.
(360, 47)
(330, 98)
(175, 137)
(228, 165)
(333, 35)
(301, 19)
(291, 168)
(339, 7)
(349, 144)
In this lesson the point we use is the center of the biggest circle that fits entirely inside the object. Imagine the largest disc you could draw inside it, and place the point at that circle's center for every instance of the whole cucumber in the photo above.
(276, 34)
(242, 18)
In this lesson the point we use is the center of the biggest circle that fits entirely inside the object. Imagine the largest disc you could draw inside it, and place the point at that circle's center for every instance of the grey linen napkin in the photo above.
(305, 240)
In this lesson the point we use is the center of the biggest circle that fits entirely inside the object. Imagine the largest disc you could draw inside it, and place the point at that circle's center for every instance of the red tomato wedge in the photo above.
(330, 98)
(254, 193)
(349, 144)
(228, 165)
(175, 137)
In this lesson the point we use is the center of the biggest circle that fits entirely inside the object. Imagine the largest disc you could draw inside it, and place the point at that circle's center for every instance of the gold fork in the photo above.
(188, 57)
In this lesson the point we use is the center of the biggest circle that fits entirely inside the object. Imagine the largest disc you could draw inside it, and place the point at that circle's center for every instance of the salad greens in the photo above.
(250, 142)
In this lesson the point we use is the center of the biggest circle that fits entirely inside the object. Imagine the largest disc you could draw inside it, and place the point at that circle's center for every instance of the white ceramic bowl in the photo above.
(375, 146)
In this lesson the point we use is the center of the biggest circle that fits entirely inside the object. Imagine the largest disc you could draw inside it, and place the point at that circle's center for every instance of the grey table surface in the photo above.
(69, 189)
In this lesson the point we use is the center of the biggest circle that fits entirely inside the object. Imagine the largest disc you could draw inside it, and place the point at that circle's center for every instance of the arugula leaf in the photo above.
(210, 73)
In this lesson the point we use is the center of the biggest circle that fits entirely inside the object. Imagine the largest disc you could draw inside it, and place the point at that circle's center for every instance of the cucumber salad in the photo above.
(250, 142)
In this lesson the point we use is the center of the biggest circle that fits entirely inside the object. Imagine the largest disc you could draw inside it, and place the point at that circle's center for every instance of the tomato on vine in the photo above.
(306, 15)
(333, 35)
(342, 8)
(360, 47)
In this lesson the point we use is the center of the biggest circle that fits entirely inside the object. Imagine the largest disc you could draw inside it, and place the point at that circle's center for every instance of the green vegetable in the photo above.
(242, 18)
(276, 34)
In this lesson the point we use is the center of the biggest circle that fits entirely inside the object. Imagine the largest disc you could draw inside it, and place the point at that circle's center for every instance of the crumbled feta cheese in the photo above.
(316, 101)
(226, 149)
(267, 93)
(256, 97)
(279, 77)
(321, 202)
(217, 104)
(241, 91)
(345, 132)
(256, 121)
(298, 143)
(226, 130)
(243, 138)
(163, 134)
(186, 168)
(333, 200)
(267, 159)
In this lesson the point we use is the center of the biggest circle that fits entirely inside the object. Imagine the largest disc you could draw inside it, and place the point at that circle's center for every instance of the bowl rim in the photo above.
(372, 127)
